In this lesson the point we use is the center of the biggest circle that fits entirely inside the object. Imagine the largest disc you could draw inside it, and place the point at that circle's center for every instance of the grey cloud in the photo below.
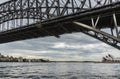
(76, 44)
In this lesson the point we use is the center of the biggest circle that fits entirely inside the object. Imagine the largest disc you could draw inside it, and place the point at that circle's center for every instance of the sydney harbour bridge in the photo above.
(27, 19)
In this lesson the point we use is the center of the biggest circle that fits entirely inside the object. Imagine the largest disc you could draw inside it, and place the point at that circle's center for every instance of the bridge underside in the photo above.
(91, 22)
(37, 30)
(68, 24)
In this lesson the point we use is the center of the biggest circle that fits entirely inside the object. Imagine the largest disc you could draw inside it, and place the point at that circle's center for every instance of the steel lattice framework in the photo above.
(41, 10)
(25, 19)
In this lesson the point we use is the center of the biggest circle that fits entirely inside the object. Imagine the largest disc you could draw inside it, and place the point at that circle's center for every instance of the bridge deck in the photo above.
(61, 25)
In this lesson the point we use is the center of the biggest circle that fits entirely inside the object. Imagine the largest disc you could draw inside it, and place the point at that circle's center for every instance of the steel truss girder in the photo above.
(51, 10)
(111, 38)
(42, 10)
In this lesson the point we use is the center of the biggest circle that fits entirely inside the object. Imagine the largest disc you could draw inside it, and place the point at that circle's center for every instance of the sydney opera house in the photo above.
(110, 59)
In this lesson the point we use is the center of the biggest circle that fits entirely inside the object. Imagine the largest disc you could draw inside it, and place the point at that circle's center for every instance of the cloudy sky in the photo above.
(76, 46)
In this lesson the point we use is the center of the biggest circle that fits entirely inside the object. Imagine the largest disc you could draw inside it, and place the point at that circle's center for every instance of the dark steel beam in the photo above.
(24, 17)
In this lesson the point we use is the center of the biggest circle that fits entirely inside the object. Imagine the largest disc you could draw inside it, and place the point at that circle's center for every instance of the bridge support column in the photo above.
(116, 24)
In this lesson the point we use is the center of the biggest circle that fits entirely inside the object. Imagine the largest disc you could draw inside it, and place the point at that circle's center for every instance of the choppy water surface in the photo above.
(59, 71)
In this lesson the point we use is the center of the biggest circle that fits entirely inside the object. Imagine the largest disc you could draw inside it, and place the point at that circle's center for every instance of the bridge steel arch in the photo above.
(45, 9)
(26, 19)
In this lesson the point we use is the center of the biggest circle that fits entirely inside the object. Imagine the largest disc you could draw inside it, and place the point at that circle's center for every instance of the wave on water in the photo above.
(59, 71)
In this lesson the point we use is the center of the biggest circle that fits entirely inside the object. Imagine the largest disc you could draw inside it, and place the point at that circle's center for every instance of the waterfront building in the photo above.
(19, 59)
(110, 59)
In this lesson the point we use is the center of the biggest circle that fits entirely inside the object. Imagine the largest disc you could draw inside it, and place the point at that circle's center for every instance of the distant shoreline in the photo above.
(63, 62)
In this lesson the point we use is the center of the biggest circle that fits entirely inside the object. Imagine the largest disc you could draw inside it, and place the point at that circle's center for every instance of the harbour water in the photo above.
(59, 70)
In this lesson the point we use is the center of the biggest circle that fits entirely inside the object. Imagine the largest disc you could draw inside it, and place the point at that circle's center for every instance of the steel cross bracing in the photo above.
(16, 13)
(93, 16)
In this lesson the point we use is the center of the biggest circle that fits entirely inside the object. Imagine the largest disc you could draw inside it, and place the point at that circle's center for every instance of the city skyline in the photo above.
(75, 46)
